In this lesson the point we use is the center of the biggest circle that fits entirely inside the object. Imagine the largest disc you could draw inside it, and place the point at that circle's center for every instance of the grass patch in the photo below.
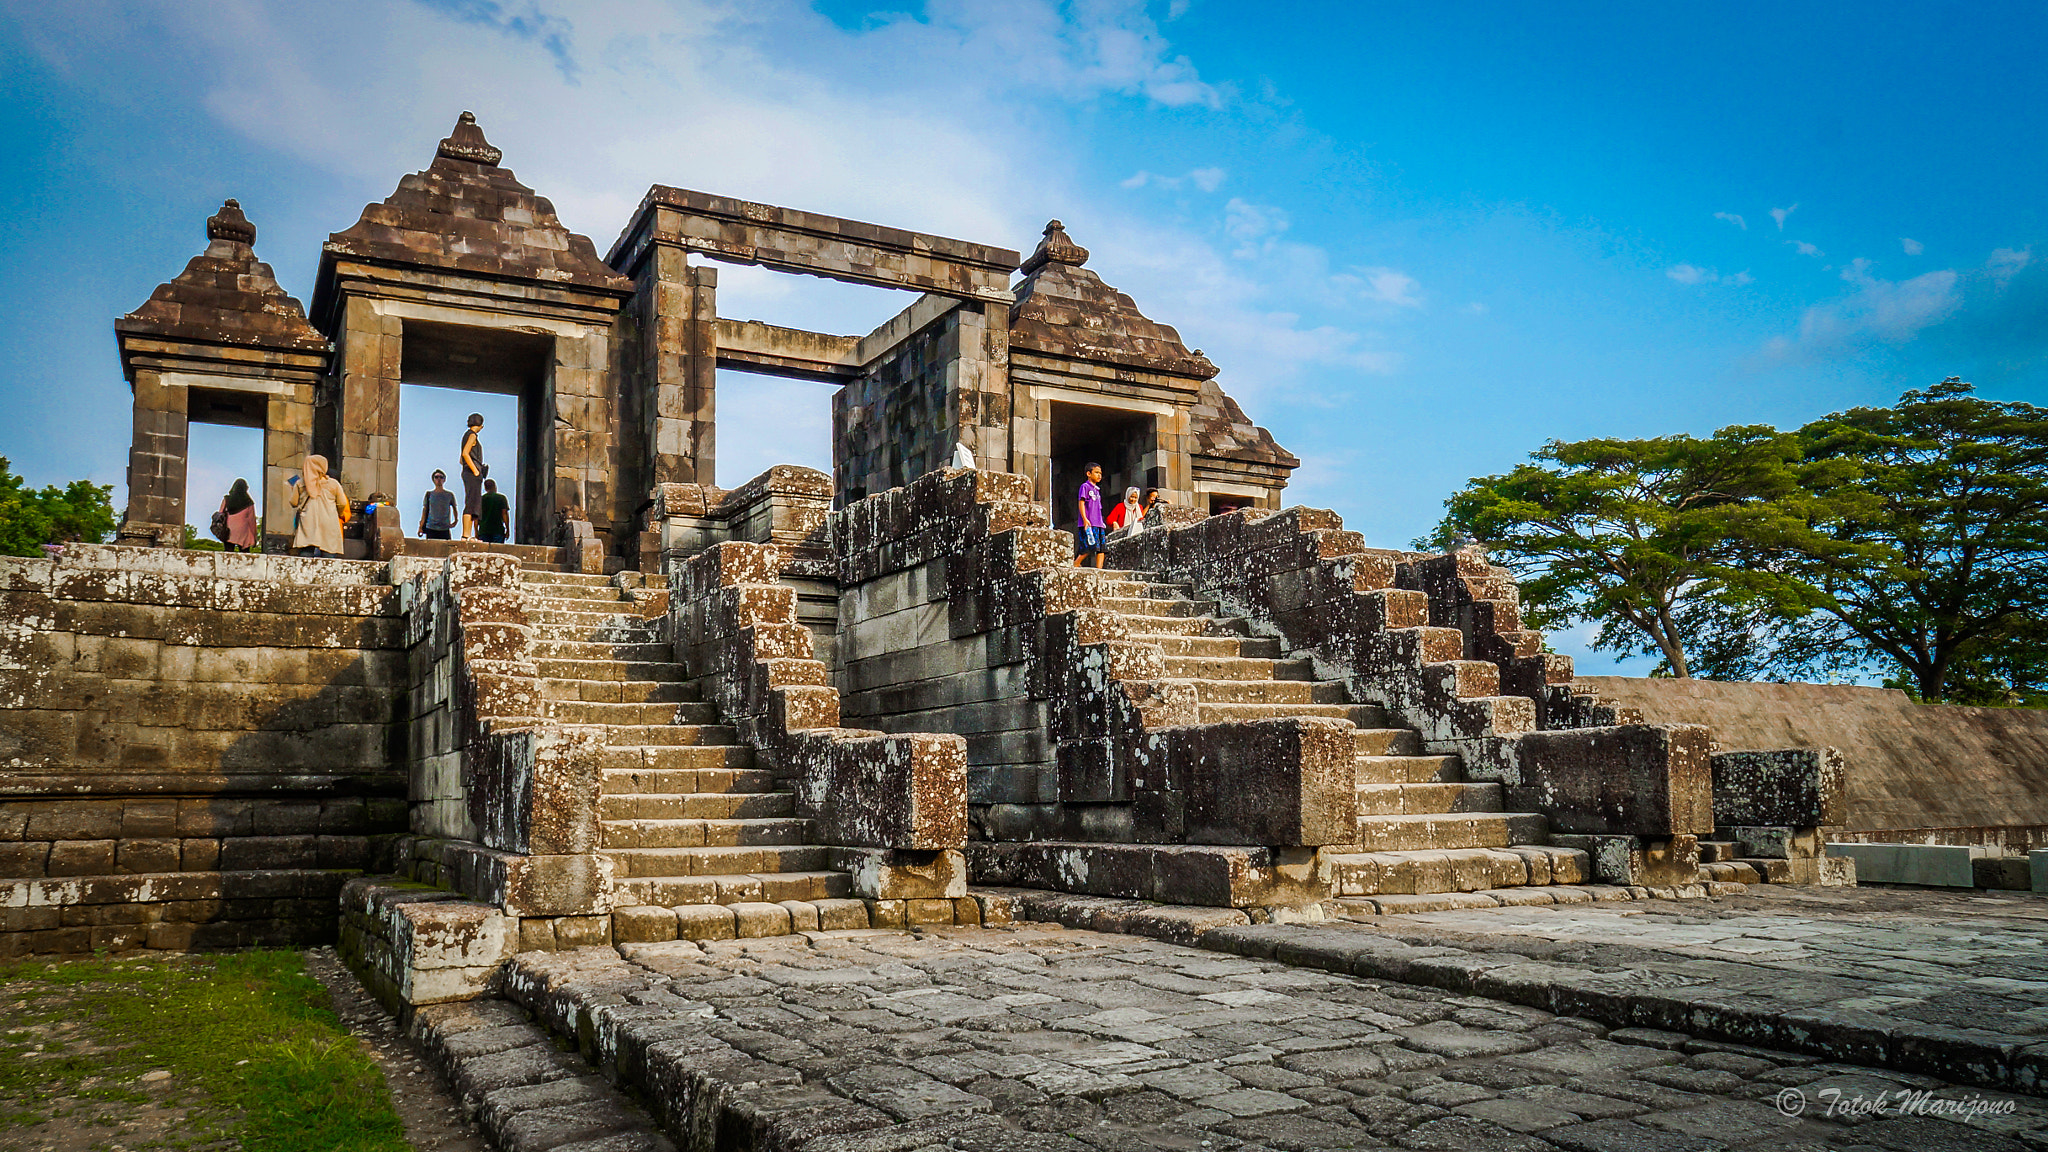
(256, 1057)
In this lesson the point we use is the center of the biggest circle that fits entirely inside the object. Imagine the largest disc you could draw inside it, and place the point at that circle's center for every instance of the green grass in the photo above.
(251, 1044)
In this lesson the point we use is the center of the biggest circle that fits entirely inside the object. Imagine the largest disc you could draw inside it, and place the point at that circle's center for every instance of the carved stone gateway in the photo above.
(672, 710)
(466, 278)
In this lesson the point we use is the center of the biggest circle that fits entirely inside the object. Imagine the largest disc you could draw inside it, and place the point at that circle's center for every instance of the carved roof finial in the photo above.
(467, 143)
(230, 224)
(1056, 248)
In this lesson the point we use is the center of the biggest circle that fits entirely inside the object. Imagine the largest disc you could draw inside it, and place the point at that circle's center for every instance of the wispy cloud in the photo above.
(1912, 247)
(1878, 310)
(1694, 274)
(1732, 218)
(1779, 214)
(1805, 249)
(1205, 179)
(2005, 263)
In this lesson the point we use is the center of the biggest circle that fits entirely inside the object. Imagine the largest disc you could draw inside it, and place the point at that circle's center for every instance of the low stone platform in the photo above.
(1028, 1037)
(1937, 982)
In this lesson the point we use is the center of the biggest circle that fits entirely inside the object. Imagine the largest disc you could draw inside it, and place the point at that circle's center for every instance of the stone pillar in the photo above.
(372, 346)
(156, 465)
(682, 346)
(983, 383)
(287, 438)
(581, 410)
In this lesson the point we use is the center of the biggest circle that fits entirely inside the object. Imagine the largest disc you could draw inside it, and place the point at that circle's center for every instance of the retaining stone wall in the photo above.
(196, 748)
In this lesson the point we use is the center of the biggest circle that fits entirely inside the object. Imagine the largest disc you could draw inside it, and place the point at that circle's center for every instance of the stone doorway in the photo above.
(1123, 442)
(449, 371)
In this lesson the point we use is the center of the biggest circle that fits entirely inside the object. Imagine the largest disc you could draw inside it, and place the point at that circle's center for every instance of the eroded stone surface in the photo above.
(1040, 1037)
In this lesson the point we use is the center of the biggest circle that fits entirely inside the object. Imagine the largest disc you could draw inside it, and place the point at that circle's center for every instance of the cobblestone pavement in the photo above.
(1956, 959)
(1036, 1037)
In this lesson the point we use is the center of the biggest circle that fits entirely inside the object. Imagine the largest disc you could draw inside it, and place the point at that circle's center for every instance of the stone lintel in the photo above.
(224, 365)
(790, 240)
(460, 293)
(753, 346)
(1099, 376)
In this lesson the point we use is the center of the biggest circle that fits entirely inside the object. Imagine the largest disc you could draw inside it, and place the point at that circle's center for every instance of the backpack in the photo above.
(219, 525)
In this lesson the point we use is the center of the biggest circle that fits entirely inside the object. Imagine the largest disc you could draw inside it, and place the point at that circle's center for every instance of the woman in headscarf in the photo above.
(240, 509)
(1127, 518)
(322, 505)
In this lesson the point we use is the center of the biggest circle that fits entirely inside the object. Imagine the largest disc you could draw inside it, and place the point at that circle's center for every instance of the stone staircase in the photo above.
(1422, 827)
(688, 819)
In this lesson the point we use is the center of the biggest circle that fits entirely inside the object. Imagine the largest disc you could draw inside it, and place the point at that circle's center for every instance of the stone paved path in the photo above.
(1037, 1037)
(1958, 959)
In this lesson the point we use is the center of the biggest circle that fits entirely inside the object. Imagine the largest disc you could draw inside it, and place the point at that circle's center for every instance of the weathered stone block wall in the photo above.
(946, 382)
(196, 748)
(893, 804)
(961, 612)
(1916, 772)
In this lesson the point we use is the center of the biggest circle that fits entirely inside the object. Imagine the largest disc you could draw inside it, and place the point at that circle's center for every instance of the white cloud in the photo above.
(1912, 247)
(958, 122)
(1476, 308)
(1694, 274)
(1885, 311)
(1389, 286)
(1779, 215)
(2005, 263)
(1805, 249)
(1205, 179)
(1732, 218)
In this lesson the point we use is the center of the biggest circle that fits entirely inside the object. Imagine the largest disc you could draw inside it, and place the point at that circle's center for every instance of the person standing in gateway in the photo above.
(1090, 531)
(473, 472)
(437, 511)
(495, 527)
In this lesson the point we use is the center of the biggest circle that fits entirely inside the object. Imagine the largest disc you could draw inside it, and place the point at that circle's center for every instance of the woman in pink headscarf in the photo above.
(321, 505)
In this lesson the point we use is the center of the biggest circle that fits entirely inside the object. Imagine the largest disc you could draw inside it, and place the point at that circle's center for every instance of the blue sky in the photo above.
(1418, 239)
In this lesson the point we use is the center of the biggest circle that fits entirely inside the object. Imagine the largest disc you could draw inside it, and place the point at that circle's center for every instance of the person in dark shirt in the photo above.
(437, 511)
(473, 472)
(496, 523)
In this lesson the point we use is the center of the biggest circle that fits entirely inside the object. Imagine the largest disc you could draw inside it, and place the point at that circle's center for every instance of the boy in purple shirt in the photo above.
(1092, 531)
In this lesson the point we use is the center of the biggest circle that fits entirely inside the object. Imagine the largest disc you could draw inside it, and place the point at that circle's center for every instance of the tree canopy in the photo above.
(31, 518)
(1912, 538)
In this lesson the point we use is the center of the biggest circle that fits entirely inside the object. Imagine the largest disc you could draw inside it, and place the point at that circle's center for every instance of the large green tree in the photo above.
(1937, 546)
(31, 518)
(1648, 538)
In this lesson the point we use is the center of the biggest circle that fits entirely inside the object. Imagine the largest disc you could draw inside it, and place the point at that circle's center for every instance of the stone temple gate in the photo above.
(464, 277)
(882, 698)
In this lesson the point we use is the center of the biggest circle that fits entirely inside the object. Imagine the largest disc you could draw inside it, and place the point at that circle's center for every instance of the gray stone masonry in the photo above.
(196, 748)
(1033, 1037)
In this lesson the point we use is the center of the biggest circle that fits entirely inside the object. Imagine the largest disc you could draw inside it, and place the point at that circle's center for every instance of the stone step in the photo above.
(633, 715)
(689, 772)
(734, 888)
(577, 595)
(736, 833)
(1269, 691)
(651, 862)
(671, 735)
(1161, 627)
(527, 554)
(1421, 799)
(620, 691)
(565, 612)
(694, 805)
(1157, 606)
(617, 630)
(580, 579)
(619, 670)
(1217, 646)
(1455, 830)
(1409, 769)
(644, 653)
(1454, 870)
(1388, 742)
(1230, 666)
(1364, 715)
